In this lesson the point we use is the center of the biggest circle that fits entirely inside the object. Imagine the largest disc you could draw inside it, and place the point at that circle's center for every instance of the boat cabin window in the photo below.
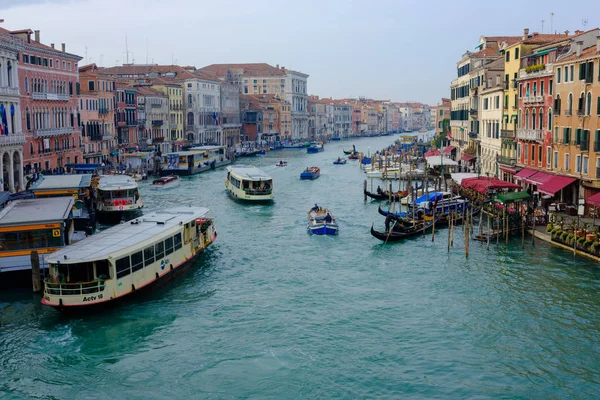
(25, 240)
(123, 267)
(177, 240)
(246, 184)
(235, 182)
(159, 250)
(168, 245)
(80, 272)
(137, 261)
(148, 255)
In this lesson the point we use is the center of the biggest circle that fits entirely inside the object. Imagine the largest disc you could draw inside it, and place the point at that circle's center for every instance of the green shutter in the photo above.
(578, 136)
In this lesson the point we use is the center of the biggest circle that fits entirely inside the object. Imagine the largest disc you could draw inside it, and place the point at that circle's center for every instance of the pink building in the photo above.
(48, 80)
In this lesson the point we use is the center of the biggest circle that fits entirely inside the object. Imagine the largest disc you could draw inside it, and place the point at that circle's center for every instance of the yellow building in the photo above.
(175, 93)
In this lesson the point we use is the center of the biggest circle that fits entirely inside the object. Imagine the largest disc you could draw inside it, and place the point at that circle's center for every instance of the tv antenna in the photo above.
(584, 22)
(542, 26)
(551, 22)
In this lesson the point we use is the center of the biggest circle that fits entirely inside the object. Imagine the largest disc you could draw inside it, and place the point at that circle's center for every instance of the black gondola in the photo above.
(396, 235)
(385, 195)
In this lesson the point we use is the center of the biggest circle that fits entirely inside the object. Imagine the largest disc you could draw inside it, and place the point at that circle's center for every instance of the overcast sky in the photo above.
(387, 49)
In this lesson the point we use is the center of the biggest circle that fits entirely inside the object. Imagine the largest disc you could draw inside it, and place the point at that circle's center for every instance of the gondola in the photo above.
(348, 152)
(386, 195)
(396, 235)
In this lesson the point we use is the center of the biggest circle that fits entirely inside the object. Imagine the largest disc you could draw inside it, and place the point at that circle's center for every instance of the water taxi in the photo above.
(249, 184)
(118, 197)
(194, 160)
(321, 221)
(126, 259)
(340, 161)
(166, 182)
(44, 225)
(315, 148)
(281, 163)
(310, 173)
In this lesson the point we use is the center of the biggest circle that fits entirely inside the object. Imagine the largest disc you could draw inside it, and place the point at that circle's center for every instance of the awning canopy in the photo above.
(459, 176)
(434, 152)
(435, 161)
(448, 149)
(555, 184)
(539, 178)
(509, 170)
(507, 198)
(524, 173)
(467, 157)
(593, 200)
(483, 184)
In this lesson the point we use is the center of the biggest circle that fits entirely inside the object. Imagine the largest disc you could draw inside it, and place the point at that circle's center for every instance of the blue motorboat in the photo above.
(340, 161)
(315, 148)
(336, 138)
(321, 221)
(310, 173)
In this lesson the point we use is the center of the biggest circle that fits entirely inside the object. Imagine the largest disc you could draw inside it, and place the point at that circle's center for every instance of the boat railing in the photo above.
(71, 289)
(258, 192)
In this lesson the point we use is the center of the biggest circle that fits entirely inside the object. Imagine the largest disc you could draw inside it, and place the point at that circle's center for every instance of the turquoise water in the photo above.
(272, 312)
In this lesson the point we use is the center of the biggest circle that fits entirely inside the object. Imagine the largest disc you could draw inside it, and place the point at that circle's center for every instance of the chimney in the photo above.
(525, 32)
(579, 46)
(577, 31)
(598, 44)
(37, 36)
(52, 45)
(566, 33)
(277, 66)
(62, 45)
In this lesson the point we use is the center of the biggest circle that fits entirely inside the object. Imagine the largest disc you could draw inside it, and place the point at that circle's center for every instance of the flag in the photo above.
(3, 121)
(216, 118)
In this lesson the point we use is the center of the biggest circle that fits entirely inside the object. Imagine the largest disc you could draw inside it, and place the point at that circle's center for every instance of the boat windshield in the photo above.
(258, 187)
(77, 279)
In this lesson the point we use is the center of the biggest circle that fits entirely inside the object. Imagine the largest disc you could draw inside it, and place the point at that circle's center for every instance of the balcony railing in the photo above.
(131, 122)
(9, 91)
(12, 139)
(190, 127)
(530, 134)
(473, 112)
(506, 160)
(44, 133)
(473, 135)
(157, 122)
(154, 105)
(507, 134)
(108, 137)
(49, 96)
(533, 99)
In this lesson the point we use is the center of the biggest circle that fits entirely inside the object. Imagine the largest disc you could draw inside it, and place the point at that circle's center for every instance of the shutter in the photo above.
(578, 136)
(590, 72)
(582, 71)
(565, 141)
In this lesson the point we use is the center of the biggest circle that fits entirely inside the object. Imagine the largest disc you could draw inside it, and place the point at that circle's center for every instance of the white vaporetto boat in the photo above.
(118, 197)
(249, 184)
(121, 261)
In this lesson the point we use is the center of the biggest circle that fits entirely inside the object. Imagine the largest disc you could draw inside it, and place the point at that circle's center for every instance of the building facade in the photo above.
(12, 138)
(230, 114)
(49, 81)
(203, 106)
(126, 117)
(442, 113)
(491, 114)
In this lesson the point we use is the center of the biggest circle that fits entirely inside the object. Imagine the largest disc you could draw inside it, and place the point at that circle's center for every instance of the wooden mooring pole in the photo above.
(365, 189)
(36, 279)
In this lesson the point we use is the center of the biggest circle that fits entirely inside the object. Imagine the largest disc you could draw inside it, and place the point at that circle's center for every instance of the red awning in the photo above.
(524, 173)
(482, 184)
(593, 200)
(510, 171)
(467, 157)
(449, 149)
(555, 184)
(431, 153)
(539, 178)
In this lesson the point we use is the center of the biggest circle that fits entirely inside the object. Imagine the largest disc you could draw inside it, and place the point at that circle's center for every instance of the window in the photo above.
(526, 152)
(541, 117)
(533, 119)
(540, 155)
(517, 53)
(572, 75)
(578, 163)
(485, 104)
(588, 104)
(168, 245)
(558, 75)
(550, 119)
(550, 88)
(585, 165)
(177, 241)
(598, 167)
(159, 250)
(570, 105)
(566, 74)
(137, 261)
(91, 85)
(69, 65)
(567, 161)
(507, 56)
(556, 160)
(548, 156)
(51, 63)
(542, 88)
(148, 255)
(123, 267)
(25, 59)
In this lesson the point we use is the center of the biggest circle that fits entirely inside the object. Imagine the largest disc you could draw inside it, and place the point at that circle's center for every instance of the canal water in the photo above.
(272, 312)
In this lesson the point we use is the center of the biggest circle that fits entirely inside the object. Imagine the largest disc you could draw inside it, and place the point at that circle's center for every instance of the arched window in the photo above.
(533, 120)
(190, 118)
(570, 105)
(550, 120)
(189, 99)
(27, 86)
(31, 149)
(527, 119)
(520, 119)
(8, 69)
(588, 104)
(541, 116)
(27, 119)
(557, 104)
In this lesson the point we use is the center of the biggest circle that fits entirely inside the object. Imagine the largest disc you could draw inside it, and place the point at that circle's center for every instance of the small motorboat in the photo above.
(166, 182)
(340, 161)
(310, 173)
(281, 163)
(353, 157)
(321, 221)
(315, 148)
(336, 138)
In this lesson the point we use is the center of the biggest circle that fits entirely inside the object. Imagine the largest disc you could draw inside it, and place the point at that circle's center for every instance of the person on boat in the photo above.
(379, 190)
(328, 218)
(388, 220)
(315, 208)
(339, 159)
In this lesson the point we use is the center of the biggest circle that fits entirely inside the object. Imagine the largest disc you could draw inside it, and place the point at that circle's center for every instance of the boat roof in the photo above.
(184, 153)
(249, 173)
(203, 148)
(125, 237)
(36, 211)
(116, 182)
(53, 182)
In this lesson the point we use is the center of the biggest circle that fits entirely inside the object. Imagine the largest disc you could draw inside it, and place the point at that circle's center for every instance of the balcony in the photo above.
(44, 133)
(155, 105)
(530, 134)
(108, 137)
(507, 134)
(12, 139)
(9, 91)
(131, 122)
(506, 160)
(474, 135)
(533, 99)
(157, 122)
(49, 96)
(473, 112)
(533, 71)
(190, 127)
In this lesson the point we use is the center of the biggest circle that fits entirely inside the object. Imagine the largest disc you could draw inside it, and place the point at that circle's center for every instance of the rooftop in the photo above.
(114, 241)
(250, 69)
(116, 182)
(36, 211)
(51, 182)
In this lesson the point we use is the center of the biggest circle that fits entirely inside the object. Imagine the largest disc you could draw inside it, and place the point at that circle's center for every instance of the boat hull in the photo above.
(166, 186)
(323, 229)
(314, 150)
(308, 176)
(157, 283)
(340, 162)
